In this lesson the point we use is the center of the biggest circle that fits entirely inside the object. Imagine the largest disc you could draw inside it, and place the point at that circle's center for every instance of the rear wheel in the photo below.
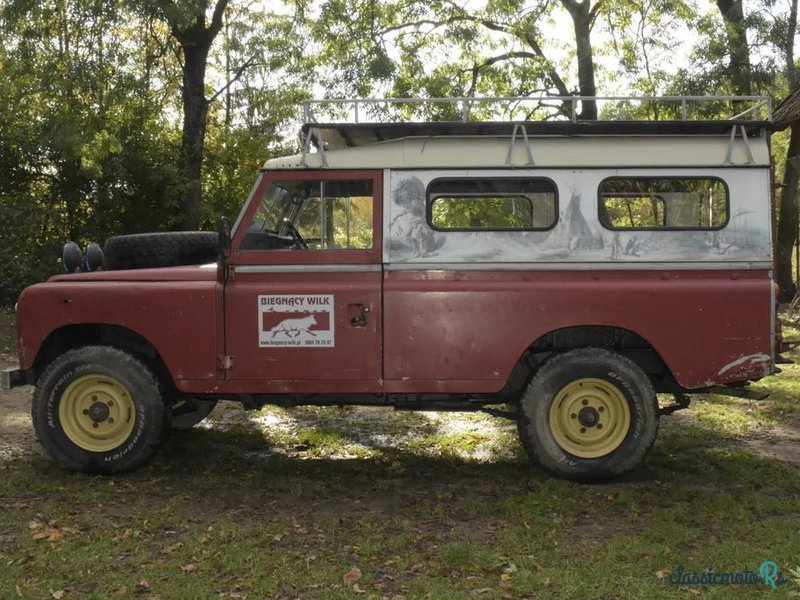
(98, 409)
(588, 414)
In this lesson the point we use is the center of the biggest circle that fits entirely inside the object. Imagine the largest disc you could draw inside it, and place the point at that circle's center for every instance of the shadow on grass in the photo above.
(211, 471)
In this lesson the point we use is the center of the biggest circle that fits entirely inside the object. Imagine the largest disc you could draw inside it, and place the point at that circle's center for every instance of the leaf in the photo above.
(142, 587)
(662, 574)
(191, 567)
(54, 535)
(352, 576)
(58, 595)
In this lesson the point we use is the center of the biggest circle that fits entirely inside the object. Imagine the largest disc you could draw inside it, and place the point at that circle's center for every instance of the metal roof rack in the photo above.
(534, 108)
(358, 122)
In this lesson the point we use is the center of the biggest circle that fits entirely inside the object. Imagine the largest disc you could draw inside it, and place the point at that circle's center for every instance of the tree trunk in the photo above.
(195, 41)
(195, 111)
(787, 219)
(582, 20)
(736, 31)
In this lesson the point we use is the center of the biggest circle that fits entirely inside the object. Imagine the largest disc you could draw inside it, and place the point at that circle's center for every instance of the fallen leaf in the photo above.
(352, 576)
(58, 595)
(54, 535)
(123, 591)
(142, 587)
(189, 568)
(662, 574)
(51, 535)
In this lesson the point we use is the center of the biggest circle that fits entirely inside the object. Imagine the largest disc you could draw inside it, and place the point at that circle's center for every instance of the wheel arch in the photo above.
(71, 337)
(621, 340)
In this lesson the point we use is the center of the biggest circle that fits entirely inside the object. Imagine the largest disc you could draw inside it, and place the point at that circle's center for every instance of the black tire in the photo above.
(98, 409)
(187, 414)
(570, 397)
(163, 249)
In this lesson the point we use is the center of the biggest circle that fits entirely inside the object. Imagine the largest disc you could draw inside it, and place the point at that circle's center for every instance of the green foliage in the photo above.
(90, 92)
(90, 136)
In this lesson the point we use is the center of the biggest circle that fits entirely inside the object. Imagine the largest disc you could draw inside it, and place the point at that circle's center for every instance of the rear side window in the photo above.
(492, 204)
(668, 203)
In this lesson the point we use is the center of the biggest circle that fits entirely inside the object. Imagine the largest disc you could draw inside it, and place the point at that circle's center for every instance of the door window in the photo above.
(313, 215)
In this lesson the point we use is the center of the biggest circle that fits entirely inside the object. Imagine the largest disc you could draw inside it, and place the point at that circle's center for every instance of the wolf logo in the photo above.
(293, 328)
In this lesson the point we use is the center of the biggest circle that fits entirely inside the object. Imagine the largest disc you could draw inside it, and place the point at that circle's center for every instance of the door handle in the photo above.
(358, 314)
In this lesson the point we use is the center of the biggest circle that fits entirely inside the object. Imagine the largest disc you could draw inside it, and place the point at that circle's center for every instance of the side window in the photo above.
(675, 203)
(492, 204)
(313, 215)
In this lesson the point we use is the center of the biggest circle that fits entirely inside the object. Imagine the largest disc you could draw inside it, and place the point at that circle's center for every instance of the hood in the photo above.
(186, 273)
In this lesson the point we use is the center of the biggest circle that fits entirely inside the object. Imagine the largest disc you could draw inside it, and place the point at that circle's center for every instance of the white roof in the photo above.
(712, 147)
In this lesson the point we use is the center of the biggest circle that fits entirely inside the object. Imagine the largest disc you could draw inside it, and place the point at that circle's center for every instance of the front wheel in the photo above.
(588, 414)
(100, 410)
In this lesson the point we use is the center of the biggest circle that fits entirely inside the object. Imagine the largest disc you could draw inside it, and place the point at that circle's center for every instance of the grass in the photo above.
(358, 503)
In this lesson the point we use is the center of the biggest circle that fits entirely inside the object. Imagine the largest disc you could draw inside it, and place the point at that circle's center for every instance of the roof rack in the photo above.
(536, 108)
(357, 122)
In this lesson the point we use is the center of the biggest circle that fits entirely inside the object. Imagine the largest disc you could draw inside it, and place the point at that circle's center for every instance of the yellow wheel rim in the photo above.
(590, 418)
(97, 413)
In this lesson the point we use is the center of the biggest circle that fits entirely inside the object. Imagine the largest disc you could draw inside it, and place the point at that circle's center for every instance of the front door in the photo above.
(303, 304)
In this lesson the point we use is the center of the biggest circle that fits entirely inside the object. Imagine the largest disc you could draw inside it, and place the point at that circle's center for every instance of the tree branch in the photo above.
(216, 19)
(433, 23)
(236, 76)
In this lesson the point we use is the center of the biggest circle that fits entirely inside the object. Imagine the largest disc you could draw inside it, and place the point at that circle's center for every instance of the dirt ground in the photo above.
(17, 438)
(16, 432)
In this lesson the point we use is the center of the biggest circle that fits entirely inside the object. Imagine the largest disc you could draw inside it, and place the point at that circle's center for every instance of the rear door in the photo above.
(303, 306)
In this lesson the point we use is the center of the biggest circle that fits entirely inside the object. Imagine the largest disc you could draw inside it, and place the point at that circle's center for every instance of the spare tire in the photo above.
(164, 249)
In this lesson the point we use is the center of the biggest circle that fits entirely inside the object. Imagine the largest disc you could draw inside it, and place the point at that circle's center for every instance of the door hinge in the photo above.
(225, 363)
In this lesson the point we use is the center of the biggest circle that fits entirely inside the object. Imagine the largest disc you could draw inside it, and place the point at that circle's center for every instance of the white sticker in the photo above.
(295, 321)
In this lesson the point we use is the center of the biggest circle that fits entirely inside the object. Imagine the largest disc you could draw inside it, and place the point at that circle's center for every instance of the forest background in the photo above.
(145, 115)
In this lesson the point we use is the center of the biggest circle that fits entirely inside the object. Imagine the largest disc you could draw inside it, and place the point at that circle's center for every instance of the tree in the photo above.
(739, 51)
(787, 216)
(583, 15)
(499, 49)
(195, 33)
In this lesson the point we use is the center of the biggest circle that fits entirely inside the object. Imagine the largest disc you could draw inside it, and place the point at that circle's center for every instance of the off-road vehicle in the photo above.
(558, 272)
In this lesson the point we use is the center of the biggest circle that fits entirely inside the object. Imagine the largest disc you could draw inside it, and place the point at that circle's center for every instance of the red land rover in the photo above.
(568, 270)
